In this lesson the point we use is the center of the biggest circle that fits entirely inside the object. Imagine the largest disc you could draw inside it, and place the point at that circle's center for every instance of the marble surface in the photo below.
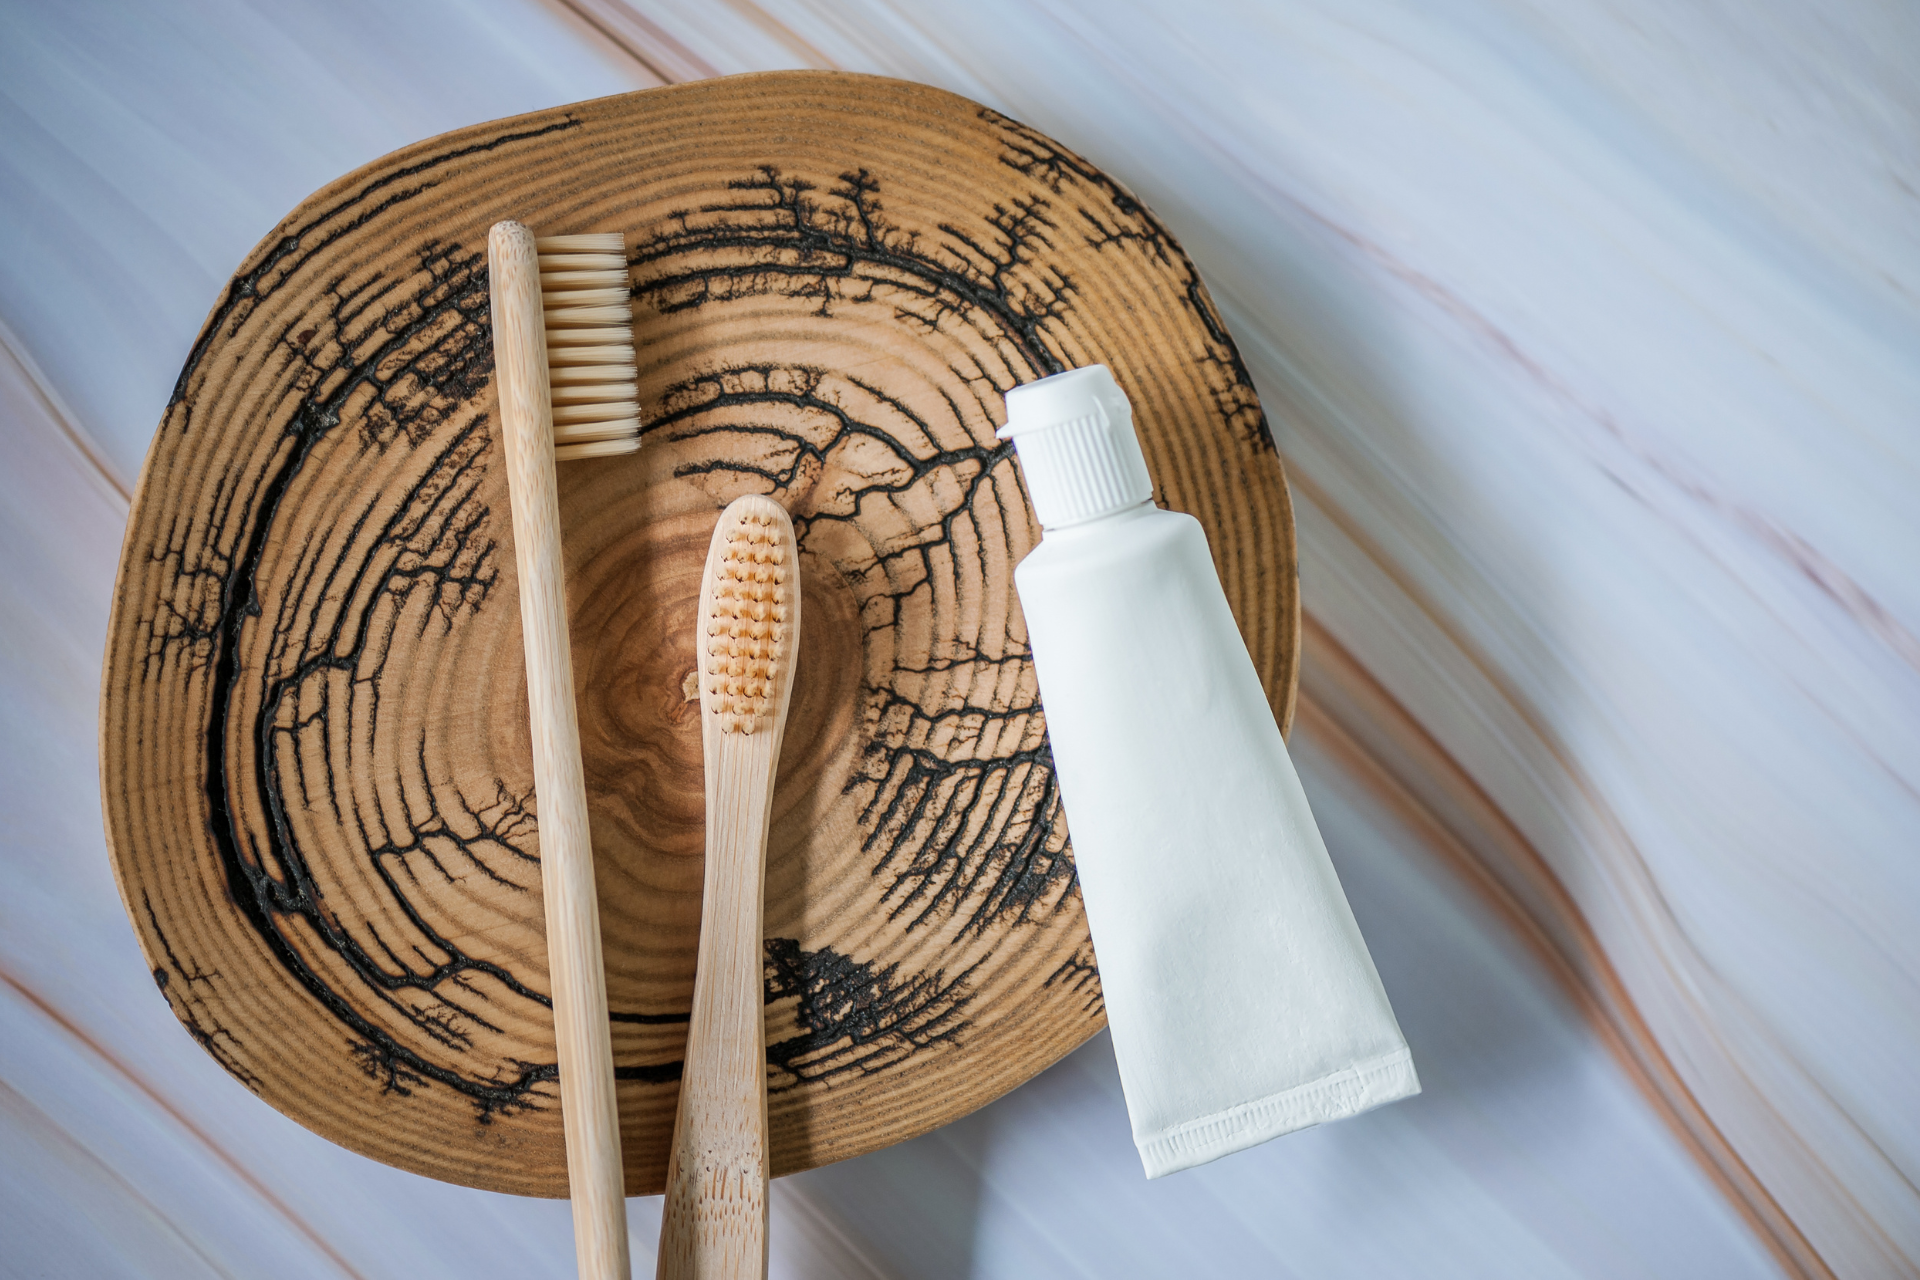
(1589, 334)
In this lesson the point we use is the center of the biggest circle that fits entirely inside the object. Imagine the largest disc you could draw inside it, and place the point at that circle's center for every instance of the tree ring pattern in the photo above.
(317, 776)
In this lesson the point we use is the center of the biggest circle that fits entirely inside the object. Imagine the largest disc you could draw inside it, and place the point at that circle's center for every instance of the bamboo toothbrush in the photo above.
(714, 1226)
(563, 354)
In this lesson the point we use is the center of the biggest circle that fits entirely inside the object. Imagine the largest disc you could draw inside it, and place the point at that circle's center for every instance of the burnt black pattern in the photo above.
(190, 1005)
(1080, 974)
(856, 1018)
(1108, 217)
(398, 366)
(784, 235)
(399, 359)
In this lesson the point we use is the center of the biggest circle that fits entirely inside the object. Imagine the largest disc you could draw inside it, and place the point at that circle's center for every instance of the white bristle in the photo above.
(561, 299)
(607, 392)
(600, 411)
(599, 449)
(565, 316)
(585, 292)
(575, 375)
(554, 263)
(554, 281)
(620, 398)
(585, 242)
(608, 335)
(612, 429)
(576, 357)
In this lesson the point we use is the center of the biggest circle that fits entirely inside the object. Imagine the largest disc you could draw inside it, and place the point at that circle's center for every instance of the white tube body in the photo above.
(1242, 1001)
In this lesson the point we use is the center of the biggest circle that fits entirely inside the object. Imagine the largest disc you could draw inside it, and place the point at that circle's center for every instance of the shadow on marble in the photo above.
(1521, 1108)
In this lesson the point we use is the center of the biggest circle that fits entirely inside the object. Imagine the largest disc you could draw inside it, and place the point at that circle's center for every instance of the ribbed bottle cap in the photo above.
(1074, 434)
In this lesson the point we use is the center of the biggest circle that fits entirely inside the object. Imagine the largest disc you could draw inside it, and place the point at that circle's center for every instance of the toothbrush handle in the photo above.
(588, 1107)
(714, 1224)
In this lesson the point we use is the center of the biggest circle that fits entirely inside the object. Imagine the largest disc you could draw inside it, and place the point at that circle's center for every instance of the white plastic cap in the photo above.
(1074, 433)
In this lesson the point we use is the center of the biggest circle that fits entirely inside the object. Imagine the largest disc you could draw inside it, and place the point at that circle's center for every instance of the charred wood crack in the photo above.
(1079, 974)
(856, 1018)
(422, 352)
(299, 246)
(192, 1008)
(958, 802)
(782, 235)
(779, 237)
(1115, 219)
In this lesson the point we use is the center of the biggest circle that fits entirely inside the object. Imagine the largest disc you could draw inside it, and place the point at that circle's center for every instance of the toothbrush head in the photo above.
(750, 616)
(591, 370)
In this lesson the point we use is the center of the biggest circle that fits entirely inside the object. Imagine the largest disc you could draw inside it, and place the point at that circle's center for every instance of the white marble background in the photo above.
(1591, 334)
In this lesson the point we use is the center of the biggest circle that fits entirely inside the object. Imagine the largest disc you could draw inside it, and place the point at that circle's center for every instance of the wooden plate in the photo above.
(314, 745)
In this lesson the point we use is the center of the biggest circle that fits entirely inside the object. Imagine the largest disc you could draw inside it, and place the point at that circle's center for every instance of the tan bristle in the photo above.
(585, 294)
(746, 655)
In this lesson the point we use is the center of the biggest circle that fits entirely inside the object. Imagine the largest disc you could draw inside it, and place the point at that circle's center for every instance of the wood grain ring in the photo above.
(314, 748)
